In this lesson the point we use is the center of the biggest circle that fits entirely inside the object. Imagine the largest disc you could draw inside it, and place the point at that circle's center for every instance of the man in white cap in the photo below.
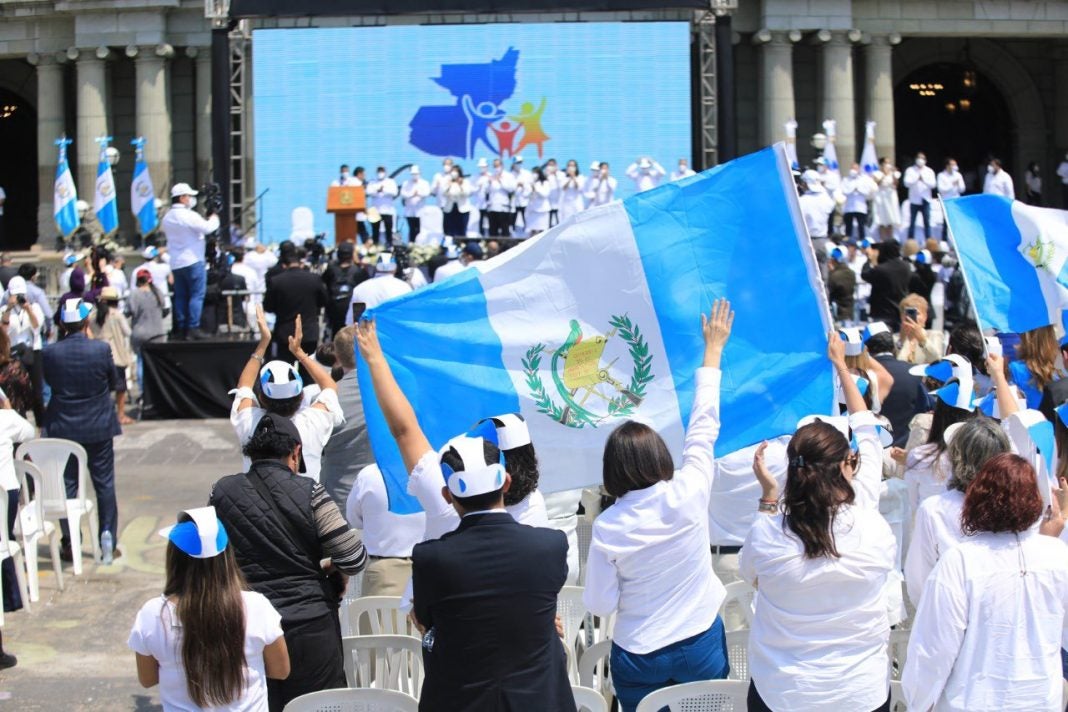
(382, 287)
(82, 375)
(381, 194)
(646, 174)
(816, 208)
(186, 234)
(601, 187)
(414, 193)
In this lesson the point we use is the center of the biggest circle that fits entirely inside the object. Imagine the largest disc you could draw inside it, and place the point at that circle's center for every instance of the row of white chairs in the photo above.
(367, 700)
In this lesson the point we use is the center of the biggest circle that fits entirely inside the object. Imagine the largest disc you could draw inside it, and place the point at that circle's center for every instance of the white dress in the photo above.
(885, 208)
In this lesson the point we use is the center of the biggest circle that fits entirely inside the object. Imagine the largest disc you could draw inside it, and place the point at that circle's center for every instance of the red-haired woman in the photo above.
(987, 635)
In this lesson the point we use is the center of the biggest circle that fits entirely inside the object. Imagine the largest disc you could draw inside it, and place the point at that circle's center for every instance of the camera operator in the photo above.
(187, 233)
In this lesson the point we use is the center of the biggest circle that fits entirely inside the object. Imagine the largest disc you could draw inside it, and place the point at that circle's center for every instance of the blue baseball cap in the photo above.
(198, 533)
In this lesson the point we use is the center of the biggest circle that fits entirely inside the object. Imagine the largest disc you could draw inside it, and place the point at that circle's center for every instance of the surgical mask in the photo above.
(952, 169)
(381, 175)
(852, 172)
(921, 162)
(456, 174)
(345, 175)
(990, 169)
(192, 202)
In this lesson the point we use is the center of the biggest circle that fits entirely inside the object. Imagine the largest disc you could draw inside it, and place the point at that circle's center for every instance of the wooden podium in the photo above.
(344, 202)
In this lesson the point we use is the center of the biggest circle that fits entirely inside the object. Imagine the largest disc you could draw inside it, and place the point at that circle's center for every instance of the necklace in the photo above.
(1020, 556)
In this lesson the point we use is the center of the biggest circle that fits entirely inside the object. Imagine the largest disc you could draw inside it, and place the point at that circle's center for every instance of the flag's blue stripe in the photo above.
(736, 241)
(147, 217)
(1004, 286)
(447, 359)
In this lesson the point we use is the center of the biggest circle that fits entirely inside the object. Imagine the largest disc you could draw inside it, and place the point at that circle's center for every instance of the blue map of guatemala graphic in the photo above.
(478, 89)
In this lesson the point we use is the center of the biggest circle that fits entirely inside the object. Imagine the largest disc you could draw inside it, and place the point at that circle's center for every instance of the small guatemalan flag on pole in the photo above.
(65, 195)
(597, 322)
(869, 158)
(105, 203)
(142, 194)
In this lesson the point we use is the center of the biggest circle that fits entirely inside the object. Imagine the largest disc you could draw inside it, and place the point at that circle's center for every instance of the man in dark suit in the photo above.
(82, 376)
(889, 277)
(485, 596)
(907, 396)
(295, 291)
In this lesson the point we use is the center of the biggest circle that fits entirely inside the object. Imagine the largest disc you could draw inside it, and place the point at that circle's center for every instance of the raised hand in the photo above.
(836, 349)
(296, 339)
(261, 324)
(716, 328)
(367, 339)
(769, 487)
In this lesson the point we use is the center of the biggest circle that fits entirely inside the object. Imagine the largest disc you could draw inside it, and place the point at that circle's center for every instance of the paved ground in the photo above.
(71, 645)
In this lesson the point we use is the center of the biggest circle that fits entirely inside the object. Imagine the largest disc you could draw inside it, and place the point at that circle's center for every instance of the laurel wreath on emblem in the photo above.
(585, 373)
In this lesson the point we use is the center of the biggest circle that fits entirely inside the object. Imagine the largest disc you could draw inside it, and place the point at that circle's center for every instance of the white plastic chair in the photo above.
(704, 696)
(738, 654)
(897, 697)
(11, 550)
(431, 226)
(354, 701)
(50, 455)
(572, 612)
(382, 615)
(588, 700)
(593, 669)
(303, 224)
(31, 526)
(897, 650)
(385, 662)
(740, 594)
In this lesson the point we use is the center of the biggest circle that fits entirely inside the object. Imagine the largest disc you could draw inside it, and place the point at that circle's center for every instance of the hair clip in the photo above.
(798, 461)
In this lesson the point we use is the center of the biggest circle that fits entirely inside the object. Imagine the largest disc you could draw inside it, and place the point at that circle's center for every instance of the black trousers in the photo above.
(376, 229)
(754, 703)
(858, 219)
(316, 660)
(361, 230)
(455, 222)
(499, 224)
(35, 367)
(414, 225)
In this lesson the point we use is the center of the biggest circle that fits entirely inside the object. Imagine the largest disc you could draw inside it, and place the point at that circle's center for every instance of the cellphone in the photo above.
(358, 308)
(912, 313)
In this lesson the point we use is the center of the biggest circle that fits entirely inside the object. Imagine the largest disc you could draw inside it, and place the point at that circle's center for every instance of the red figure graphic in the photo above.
(505, 138)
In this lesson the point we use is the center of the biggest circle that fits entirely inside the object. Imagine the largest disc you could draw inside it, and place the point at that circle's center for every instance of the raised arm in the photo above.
(319, 374)
(697, 449)
(251, 371)
(398, 412)
(836, 353)
(1007, 404)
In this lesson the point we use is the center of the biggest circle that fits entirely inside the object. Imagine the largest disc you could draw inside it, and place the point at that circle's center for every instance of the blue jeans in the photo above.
(189, 286)
(702, 657)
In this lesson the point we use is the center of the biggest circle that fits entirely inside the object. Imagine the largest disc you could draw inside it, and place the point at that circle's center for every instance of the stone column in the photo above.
(152, 104)
(837, 90)
(879, 83)
(92, 114)
(777, 82)
(202, 107)
(1060, 105)
(50, 112)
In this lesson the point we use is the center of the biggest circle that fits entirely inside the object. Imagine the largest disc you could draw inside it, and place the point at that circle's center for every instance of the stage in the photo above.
(192, 379)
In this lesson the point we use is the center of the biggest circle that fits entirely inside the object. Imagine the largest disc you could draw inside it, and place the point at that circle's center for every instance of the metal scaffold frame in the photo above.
(705, 30)
(241, 179)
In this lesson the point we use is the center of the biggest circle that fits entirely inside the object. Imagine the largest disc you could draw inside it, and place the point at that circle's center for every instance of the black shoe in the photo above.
(197, 335)
(65, 554)
(7, 660)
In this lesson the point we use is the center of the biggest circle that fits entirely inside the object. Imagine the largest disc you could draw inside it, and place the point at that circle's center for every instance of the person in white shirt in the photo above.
(989, 628)
(650, 561)
(950, 185)
(998, 181)
(817, 206)
(572, 199)
(344, 177)
(253, 283)
(520, 195)
(540, 205)
(388, 537)
(14, 429)
(281, 391)
(886, 212)
(161, 273)
(455, 201)
(441, 180)
(600, 187)
(186, 233)
(820, 561)
(683, 171)
(381, 194)
(562, 510)
(858, 188)
(413, 194)
(646, 174)
(382, 287)
(1062, 173)
(206, 641)
(832, 180)
(24, 322)
(920, 182)
(498, 188)
(426, 480)
(480, 199)
(936, 525)
(458, 260)
(555, 194)
(260, 259)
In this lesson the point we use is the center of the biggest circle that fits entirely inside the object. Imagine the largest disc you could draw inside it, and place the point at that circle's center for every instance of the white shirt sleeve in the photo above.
(937, 634)
(922, 555)
(244, 421)
(867, 479)
(746, 565)
(601, 594)
(262, 622)
(333, 407)
(354, 503)
(425, 483)
(698, 457)
(146, 624)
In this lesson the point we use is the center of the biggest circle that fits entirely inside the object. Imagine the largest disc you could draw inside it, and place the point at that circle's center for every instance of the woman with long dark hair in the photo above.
(650, 559)
(207, 641)
(987, 634)
(820, 561)
(15, 380)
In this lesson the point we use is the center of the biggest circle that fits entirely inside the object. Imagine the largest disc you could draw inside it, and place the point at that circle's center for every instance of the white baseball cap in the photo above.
(16, 285)
(645, 163)
(280, 380)
(180, 189)
(414, 170)
(150, 253)
(596, 165)
(385, 263)
(198, 533)
(477, 476)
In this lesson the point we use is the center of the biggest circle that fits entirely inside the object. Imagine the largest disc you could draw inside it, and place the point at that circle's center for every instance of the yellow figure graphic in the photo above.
(530, 120)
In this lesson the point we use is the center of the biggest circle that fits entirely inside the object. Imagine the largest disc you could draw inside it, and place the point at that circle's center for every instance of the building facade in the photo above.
(141, 67)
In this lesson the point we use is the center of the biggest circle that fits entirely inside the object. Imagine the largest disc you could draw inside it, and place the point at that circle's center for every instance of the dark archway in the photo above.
(971, 124)
(18, 171)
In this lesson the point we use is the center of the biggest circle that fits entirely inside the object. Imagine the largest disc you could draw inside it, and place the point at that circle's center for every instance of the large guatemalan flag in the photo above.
(597, 321)
(1014, 258)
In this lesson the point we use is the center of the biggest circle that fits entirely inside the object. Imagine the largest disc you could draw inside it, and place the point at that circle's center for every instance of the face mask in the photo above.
(345, 176)
(192, 202)
(455, 174)
(381, 175)
(990, 169)
(682, 168)
(921, 162)
(952, 169)
(852, 172)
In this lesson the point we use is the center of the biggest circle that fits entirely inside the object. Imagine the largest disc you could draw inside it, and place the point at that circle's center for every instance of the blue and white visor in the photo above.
(198, 533)
(386, 263)
(854, 341)
(75, 310)
(873, 329)
(945, 369)
(477, 476)
(841, 424)
(280, 380)
(512, 430)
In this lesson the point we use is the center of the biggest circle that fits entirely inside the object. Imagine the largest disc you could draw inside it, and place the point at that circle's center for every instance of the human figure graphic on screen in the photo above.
(530, 120)
(505, 133)
(479, 118)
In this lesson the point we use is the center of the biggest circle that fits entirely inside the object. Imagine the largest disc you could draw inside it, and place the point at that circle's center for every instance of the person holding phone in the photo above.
(916, 344)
